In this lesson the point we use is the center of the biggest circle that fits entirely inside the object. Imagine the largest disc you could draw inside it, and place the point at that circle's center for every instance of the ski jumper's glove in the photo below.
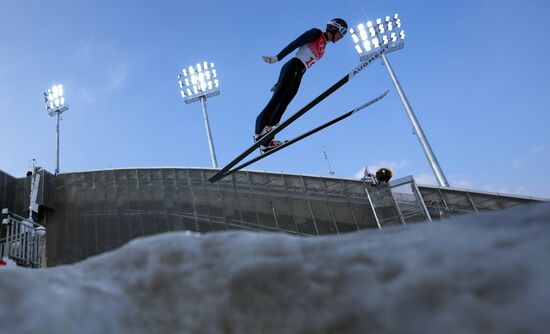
(270, 59)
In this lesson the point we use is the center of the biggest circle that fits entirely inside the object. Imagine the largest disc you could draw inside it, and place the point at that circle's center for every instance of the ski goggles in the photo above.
(342, 30)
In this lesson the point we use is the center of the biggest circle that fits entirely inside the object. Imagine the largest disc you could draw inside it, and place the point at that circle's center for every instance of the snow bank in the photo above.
(486, 273)
(5, 261)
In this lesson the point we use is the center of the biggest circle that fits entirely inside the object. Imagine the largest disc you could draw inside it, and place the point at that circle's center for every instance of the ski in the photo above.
(305, 135)
(302, 111)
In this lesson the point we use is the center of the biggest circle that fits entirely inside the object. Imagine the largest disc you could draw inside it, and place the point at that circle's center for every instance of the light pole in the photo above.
(330, 171)
(371, 37)
(55, 106)
(197, 84)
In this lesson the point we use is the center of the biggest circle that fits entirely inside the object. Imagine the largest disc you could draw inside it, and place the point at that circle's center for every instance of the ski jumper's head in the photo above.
(336, 29)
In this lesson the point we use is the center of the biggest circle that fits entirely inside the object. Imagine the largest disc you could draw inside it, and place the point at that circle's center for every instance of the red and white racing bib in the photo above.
(311, 52)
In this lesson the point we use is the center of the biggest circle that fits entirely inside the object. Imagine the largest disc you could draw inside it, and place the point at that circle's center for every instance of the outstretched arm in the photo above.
(307, 37)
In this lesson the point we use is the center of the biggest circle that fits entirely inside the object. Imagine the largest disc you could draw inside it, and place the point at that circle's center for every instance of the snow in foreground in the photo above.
(486, 273)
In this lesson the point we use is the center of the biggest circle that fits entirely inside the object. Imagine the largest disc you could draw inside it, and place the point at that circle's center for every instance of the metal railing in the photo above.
(409, 200)
(22, 240)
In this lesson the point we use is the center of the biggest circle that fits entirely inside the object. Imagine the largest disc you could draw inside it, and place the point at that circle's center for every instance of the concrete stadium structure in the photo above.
(88, 213)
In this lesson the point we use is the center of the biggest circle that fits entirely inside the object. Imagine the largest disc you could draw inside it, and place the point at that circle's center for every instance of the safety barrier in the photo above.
(22, 240)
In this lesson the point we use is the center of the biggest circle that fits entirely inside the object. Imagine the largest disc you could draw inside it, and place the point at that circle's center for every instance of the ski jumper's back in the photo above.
(311, 52)
(311, 47)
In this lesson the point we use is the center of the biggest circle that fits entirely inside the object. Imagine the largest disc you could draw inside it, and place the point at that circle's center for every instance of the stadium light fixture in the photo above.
(198, 83)
(55, 106)
(368, 40)
(371, 37)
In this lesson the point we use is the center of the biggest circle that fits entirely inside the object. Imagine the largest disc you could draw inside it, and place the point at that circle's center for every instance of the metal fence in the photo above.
(22, 240)
(421, 202)
(409, 201)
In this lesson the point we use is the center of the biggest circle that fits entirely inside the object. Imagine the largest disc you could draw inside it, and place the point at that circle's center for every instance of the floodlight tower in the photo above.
(372, 37)
(197, 84)
(55, 106)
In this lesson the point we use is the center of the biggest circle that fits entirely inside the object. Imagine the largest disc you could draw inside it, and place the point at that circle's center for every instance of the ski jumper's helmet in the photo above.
(335, 25)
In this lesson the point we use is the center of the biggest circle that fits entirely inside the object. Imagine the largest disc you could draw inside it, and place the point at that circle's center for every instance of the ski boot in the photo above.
(267, 129)
(272, 144)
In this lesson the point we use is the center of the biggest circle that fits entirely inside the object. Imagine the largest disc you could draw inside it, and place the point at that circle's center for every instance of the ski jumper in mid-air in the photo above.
(311, 47)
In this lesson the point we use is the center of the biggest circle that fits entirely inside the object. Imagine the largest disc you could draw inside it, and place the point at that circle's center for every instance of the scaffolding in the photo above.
(22, 240)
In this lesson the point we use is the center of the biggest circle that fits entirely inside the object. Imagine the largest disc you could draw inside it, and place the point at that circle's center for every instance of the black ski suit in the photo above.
(311, 46)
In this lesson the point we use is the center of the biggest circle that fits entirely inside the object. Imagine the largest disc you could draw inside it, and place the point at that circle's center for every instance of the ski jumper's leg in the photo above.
(286, 77)
(298, 70)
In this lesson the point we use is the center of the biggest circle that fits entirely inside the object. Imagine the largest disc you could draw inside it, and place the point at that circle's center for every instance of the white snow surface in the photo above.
(486, 273)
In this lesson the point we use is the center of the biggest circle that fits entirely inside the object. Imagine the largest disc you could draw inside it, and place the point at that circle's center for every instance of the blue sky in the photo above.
(475, 73)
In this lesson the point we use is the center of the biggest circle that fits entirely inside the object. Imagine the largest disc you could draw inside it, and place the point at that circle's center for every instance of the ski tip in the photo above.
(383, 95)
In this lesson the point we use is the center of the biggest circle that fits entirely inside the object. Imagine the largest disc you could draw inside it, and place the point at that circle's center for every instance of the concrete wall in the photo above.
(7, 191)
(88, 213)
(98, 211)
